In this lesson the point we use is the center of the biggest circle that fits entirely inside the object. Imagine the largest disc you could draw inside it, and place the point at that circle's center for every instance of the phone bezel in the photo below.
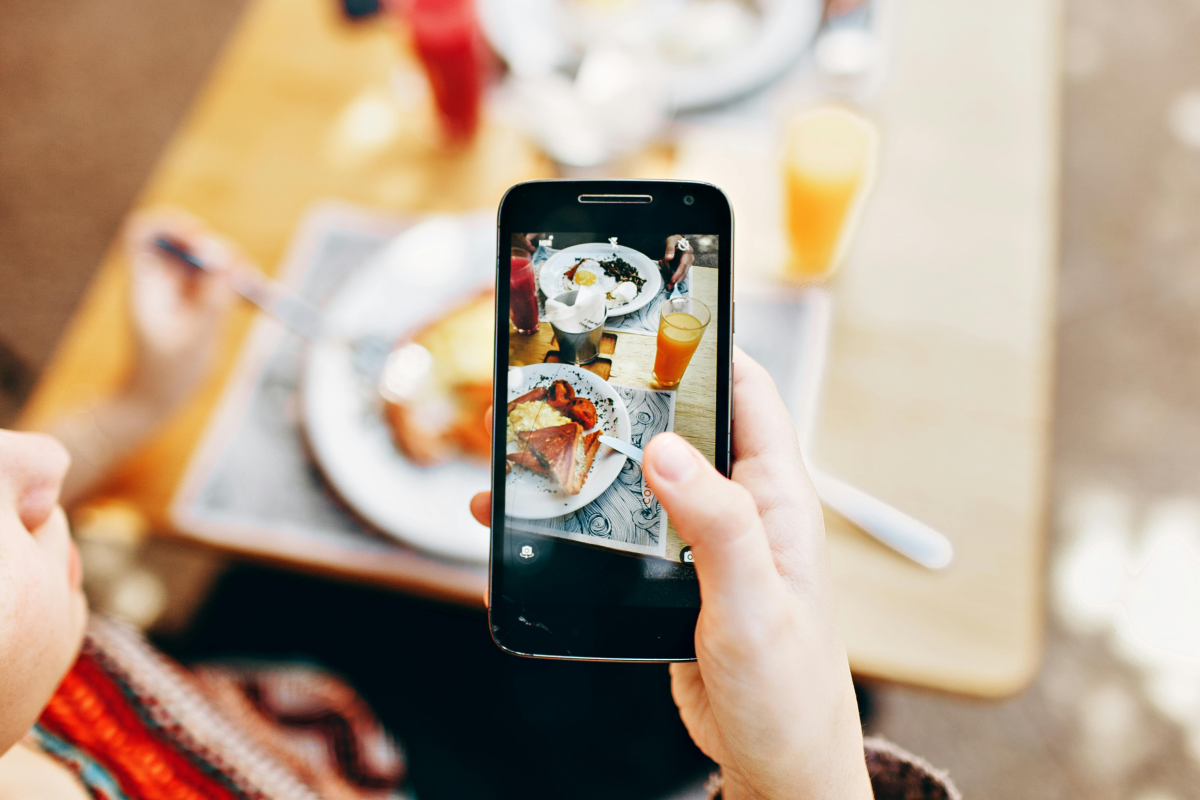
(602, 632)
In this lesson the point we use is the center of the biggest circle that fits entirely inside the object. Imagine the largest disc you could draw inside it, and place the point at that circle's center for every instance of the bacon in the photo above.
(537, 394)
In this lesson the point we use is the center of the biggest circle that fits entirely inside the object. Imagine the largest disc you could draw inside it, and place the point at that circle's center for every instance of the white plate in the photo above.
(553, 276)
(428, 268)
(529, 35)
(531, 496)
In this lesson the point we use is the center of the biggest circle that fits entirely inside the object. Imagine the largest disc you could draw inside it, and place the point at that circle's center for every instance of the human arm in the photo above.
(770, 696)
(175, 313)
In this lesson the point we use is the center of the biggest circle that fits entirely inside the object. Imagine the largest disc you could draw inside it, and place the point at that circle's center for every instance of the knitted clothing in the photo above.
(133, 725)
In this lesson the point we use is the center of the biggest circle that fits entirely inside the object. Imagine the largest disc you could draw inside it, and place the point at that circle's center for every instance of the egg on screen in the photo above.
(590, 273)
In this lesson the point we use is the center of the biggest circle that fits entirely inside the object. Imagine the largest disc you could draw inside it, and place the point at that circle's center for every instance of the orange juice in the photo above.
(829, 165)
(679, 335)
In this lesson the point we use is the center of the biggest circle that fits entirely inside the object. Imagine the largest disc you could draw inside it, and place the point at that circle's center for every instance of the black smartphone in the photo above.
(614, 323)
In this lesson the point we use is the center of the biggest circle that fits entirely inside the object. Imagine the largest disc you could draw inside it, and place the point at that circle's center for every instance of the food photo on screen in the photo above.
(608, 346)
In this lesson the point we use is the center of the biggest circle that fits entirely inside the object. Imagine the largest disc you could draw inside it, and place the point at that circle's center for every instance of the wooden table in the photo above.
(938, 389)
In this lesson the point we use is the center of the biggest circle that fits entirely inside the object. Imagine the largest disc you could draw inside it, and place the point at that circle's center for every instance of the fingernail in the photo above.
(674, 460)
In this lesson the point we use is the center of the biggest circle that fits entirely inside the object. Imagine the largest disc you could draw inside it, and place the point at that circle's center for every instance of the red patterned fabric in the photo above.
(133, 725)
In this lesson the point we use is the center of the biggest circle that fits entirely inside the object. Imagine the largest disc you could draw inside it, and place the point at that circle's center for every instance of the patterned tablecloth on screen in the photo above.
(625, 516)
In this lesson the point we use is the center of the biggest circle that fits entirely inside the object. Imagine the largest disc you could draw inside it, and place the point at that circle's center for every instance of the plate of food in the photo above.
(394, 400)
(555, 416)
(628, 278)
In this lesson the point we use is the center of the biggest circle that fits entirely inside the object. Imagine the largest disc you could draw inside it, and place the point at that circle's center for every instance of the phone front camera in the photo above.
(688, 199)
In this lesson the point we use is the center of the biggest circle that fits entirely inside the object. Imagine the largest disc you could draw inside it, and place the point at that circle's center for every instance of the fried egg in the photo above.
(590, 273)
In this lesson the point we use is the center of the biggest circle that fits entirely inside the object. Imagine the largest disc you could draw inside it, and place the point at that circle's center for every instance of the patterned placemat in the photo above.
(262, 477)
(644, 320)
(626, 516)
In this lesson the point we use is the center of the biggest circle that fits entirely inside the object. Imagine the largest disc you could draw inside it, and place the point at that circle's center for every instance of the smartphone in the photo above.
(614, 323)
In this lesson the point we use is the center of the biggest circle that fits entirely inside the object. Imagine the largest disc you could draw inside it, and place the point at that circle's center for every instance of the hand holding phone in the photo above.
(770, 697)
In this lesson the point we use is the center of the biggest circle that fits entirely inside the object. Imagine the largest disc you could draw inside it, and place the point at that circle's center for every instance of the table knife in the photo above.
(624, 448)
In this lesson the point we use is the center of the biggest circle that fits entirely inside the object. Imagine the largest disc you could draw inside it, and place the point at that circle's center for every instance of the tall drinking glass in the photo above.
(681, 326)
(522, 292)
(828, 169)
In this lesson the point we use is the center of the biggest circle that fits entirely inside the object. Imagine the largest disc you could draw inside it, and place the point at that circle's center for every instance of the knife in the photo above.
(891, 526)
(296, 313)
(624, 448)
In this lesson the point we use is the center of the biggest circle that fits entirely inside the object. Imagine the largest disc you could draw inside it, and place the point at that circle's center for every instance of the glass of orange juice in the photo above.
(829, 166)
(681, 326)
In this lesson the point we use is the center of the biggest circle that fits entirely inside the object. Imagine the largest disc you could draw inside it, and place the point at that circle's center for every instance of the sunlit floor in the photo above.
(1115, 712)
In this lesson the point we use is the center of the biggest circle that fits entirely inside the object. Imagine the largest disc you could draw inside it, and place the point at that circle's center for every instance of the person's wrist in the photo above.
(840, 773)
(152, 393)
(856, 786)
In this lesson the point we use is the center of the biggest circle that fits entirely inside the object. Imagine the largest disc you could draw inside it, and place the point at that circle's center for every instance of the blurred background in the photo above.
(1070, 130)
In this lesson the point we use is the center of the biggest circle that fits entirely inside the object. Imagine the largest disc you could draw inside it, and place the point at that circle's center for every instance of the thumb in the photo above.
(718, 519)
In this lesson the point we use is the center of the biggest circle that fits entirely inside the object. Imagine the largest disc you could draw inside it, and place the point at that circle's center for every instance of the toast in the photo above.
(565, 452)
(526, 459)
(437, 385)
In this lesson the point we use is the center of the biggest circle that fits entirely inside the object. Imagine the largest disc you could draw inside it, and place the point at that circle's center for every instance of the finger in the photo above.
(481, 508)
(769, 430)
(682, 272)
(481, 503)
(671, 242)
(718, 519)
(200, 288)
(33, 477)
(767, 460)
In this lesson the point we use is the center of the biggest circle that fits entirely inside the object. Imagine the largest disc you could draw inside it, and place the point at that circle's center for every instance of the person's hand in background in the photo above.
(175, 308)
(175, 312)
(528, 241)
(686, 259)
(770, 697)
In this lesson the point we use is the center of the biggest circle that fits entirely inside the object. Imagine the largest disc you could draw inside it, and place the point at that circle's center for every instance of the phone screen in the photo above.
(615, 334)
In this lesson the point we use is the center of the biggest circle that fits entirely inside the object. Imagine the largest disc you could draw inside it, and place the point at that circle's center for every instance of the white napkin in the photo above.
(587, 314)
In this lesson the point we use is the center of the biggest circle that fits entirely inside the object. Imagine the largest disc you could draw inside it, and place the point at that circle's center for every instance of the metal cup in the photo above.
(578, 348)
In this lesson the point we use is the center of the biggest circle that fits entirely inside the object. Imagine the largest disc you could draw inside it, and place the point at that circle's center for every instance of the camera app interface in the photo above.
(612, 340)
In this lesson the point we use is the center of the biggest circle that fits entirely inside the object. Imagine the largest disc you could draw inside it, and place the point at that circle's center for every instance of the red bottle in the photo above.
(522, 293)
(449, 42)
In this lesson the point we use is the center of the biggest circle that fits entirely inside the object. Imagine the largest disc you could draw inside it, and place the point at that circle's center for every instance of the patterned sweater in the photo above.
(133, 725)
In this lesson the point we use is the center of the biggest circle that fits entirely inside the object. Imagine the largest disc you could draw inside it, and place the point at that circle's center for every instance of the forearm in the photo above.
(99, 436)
(894, 774)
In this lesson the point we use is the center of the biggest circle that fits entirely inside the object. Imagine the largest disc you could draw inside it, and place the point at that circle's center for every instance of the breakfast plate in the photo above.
(412, 279)
(554, 276)
(529, 495)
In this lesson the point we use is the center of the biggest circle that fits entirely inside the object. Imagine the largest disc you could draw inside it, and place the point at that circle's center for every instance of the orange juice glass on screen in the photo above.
(829, 166)
(681, 326)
